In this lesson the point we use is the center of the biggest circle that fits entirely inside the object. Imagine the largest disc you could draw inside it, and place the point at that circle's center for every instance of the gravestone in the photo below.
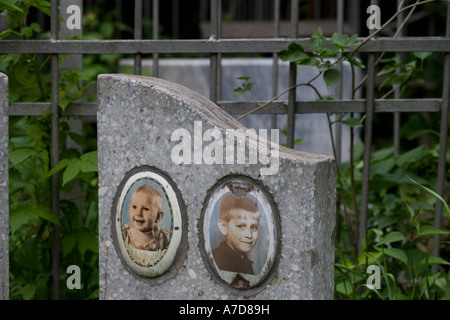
(193, 205)
(4, 190)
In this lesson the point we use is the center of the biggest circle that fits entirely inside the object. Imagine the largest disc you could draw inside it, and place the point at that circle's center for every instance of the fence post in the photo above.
(442, 141)
(370, 103)
(73, 61)
(55, 149)
(292, 97)
(138, 35)
(4, 186)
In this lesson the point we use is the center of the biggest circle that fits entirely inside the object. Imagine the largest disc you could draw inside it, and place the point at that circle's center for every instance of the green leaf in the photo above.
(19, 217)
(416, 126)
(352, 122)
(393, 236)
(345, 287)
(368, 257)
(61, 165)
(27, 32)
(293, 53)
(86, 242)
(358, 149)
(428, 261)
(422, 55)
(308, 62)
(25, 76)
(89, 162)
(330, 97)
(46, 214)
(246, 86)
(386, 69)
(396, 254)
(67, 245)
(382, 167)
(10, 5)
(343, 41)
(331, 77)
(447, 209)
(35, 27)
(73, 168)
(395, 78)
(317, 41)
(355, 62)
(239, 91)
(42, 5)
(19, 155)
(427, 282)
(430, 231)
(382, 154)
(28, 291)
(413, 155)
(64, 103)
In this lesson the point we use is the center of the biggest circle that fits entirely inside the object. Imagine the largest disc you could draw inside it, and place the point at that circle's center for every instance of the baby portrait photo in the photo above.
(146, 222)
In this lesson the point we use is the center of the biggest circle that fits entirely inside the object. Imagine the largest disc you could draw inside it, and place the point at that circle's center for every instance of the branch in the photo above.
(283, 92)
(389, 21)
(364, 79)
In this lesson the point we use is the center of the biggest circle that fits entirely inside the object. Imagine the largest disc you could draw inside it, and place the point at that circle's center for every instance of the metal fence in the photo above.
(215, 47)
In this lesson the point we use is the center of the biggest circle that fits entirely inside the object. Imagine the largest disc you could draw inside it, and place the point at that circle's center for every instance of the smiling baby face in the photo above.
(145, 209)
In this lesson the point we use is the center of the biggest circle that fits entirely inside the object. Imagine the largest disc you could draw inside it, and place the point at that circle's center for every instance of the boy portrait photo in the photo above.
(239, 220)
(239, 235)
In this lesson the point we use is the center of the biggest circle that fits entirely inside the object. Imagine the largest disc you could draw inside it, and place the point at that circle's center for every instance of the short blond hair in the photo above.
(230, 204)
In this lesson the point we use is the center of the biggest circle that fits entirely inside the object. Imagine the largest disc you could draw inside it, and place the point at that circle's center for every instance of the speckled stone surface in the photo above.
(4, 205)
(136, 118)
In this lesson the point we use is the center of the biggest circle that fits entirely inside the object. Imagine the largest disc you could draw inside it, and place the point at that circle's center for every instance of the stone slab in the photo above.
(137, 117)
(4, 190)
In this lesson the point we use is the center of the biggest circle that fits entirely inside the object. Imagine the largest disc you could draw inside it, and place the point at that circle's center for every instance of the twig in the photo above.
(393, 88)
(364, 79)
(388, 22)
(283, 92)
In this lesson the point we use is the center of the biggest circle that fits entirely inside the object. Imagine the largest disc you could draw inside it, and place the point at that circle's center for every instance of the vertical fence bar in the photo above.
(370, 102)
(292, 97)
(55, 149)
(317, 10)
(219, 55)
(137, 35)
(338, 139)
(175, 19)
(118, 5)
(442, 141)
(155, 15)
(276, 34)
(397, 119)
(340, 29)
(215, 58)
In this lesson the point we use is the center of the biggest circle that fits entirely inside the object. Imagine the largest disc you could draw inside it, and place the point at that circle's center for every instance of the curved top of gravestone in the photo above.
(208, 110)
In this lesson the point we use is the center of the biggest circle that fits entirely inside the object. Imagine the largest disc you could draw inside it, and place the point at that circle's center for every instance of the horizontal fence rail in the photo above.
(269, 45)
(241, 107)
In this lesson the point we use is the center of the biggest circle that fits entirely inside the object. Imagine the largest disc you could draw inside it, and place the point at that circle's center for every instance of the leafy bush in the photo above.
(32, 220)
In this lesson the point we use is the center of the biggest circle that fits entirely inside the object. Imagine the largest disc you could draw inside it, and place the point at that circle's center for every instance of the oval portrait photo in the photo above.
(147, 222)
(240, 233)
